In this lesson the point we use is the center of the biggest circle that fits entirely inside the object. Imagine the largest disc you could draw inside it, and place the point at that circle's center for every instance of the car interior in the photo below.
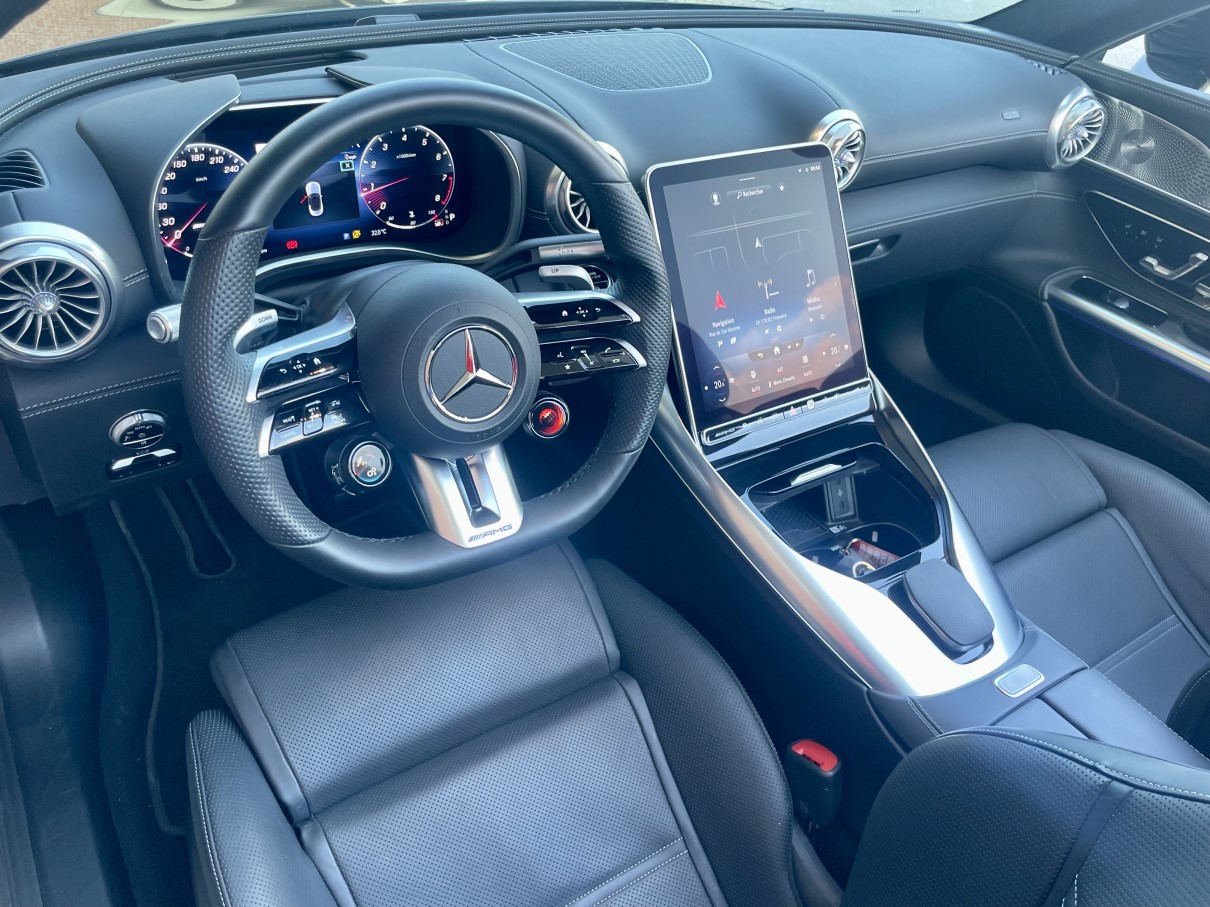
(728, 455)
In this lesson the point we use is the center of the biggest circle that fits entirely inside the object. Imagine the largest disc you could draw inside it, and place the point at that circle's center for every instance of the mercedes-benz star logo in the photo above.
(471, 373)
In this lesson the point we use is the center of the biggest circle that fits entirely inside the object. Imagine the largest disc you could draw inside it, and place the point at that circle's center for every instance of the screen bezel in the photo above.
(742, 163)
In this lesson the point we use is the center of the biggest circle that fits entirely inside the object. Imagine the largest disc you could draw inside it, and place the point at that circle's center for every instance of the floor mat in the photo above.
(199, 605)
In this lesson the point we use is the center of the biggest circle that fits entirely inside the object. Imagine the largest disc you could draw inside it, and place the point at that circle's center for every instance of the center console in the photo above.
(806, 464)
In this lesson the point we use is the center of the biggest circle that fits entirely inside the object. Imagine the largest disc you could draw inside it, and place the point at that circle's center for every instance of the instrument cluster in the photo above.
(409, 187)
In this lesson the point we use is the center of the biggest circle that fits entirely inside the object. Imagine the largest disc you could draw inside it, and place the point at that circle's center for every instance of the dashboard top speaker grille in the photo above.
(619, 62)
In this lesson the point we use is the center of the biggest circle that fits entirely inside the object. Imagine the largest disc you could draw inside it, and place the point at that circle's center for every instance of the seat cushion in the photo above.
(1068, 551)
(482, 743)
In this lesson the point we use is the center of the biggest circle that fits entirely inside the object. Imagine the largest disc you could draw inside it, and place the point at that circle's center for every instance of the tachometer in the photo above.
(188, 191)
(406, 177)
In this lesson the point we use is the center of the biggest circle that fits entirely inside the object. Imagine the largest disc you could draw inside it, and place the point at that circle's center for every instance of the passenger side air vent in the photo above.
(565, 206)
(844, 134)
(1075, 129)
(20, 170)
(54, 301)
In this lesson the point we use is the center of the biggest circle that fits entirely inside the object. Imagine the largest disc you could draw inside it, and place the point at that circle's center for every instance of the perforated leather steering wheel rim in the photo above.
(219, 297)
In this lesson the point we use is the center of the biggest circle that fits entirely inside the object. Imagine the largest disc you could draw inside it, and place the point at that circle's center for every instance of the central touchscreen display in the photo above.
(762, 286)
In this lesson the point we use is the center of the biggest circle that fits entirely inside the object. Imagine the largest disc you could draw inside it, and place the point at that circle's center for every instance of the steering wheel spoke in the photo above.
(322, 352)
(564, 309)
(470, 501)
(587, 356)
(302, 388)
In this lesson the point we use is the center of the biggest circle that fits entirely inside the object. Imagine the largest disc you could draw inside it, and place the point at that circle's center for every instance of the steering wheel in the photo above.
(416, 328)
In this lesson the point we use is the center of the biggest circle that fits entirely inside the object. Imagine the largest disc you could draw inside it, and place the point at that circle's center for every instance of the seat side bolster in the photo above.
(724, 765)
(992, 817)
(1171, 520)
(1140, 771)
(245, 853)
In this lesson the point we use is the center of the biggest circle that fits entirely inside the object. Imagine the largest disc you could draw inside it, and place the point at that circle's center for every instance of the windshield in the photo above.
(29, 26)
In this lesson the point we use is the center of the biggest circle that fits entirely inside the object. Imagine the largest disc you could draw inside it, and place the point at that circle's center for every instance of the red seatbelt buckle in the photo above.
(814, 774)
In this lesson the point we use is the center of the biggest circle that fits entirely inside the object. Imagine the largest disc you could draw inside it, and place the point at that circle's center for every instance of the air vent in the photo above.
(1045, 67)
(844, 134)
(20, 170)
(54, 302)
(600, 277)
(566, 207)
(1075, 129)
(576, 208)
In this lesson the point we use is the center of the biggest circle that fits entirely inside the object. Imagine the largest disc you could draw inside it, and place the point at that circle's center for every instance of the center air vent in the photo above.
(844, 134)
(566, 207)
(20, 170)
(54, 301)
(600, 277)
(1075, 129)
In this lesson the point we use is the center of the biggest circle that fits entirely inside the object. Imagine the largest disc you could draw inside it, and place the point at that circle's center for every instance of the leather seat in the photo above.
(549, 733)
(1103, 551)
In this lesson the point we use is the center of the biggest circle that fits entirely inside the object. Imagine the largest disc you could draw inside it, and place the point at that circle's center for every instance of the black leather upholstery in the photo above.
(486, 741)
(546, 733)
(998, 818)
(1104, 552)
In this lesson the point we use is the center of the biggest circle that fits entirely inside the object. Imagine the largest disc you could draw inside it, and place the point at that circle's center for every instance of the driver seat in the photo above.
(549, 733)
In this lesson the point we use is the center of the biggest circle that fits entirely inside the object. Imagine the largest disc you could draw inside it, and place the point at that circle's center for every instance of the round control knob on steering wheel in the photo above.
(358, 466)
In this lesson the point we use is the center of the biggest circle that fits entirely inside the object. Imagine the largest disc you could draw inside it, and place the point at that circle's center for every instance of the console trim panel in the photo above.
(866, 631)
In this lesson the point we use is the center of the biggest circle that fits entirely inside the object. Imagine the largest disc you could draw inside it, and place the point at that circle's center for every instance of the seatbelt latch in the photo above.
(814, 774)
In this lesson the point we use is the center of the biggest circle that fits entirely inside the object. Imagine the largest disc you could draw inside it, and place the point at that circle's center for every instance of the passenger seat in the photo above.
(1106, 553)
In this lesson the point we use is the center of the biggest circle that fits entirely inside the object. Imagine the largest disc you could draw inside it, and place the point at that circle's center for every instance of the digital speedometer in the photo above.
(189, 189)
(406, 177)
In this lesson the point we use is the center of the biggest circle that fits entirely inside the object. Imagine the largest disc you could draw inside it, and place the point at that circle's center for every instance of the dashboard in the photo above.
(130, 160)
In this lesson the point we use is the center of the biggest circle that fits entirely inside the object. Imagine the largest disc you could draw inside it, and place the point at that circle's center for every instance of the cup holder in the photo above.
(861, 514)
(864, 550)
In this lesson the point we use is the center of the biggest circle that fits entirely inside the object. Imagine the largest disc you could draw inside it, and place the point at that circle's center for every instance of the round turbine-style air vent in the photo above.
(1075, 130)
(54, 301)
(600, 277)
(576, 208)
(565, 206)
(844, 134)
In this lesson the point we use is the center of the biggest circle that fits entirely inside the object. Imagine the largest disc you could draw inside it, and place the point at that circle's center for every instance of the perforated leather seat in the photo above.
(1103, 551)
(549, 733)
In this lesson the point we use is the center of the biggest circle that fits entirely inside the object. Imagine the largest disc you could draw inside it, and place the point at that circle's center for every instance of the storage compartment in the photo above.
(861, 514)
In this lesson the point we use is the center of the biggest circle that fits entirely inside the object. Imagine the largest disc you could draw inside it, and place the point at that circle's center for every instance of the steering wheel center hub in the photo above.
(449, 359)
(471, 373)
